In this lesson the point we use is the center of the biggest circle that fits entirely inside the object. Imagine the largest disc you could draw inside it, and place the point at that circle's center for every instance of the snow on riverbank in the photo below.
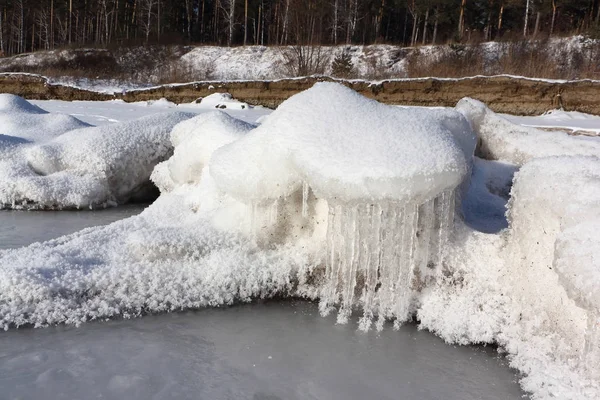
(245, 213)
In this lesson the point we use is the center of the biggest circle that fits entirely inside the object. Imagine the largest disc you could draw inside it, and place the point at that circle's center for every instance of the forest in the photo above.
(31, 25)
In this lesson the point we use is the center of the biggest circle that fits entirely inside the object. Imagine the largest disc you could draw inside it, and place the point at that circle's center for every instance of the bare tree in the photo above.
(147, 10)
(228, 7)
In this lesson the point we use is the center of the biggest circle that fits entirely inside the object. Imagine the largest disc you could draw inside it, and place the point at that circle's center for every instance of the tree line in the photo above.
(30, 25)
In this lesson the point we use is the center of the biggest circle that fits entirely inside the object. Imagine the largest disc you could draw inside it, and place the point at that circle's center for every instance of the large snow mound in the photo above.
(501, 139)
(88, 167)
(21, 121)
(346, 147)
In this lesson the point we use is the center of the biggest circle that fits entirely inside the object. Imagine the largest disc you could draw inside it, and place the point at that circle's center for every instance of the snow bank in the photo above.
(21, 121)
(552, 199)
(89, 166)
(501, 139)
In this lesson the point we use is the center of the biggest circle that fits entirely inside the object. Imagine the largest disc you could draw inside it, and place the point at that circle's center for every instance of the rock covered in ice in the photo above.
(222, 101)
(89, 166)
(21, 122)
(346, 148)
(194, 142)
(503, 140)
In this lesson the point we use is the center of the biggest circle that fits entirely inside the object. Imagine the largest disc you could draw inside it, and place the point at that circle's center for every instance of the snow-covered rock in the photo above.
(221, 101)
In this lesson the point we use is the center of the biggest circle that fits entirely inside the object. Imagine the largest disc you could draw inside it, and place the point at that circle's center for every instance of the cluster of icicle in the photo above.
(383, 251)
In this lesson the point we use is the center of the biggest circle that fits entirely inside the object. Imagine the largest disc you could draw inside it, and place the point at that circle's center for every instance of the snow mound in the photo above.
(332, 165)
(194, 141)
(503, 140)
(553, 265)
(13, 103)
(88, 167)
(26, 122)
(348, 148)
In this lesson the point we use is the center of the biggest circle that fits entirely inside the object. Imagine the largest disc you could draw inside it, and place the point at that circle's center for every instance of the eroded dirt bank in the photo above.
(501, 93)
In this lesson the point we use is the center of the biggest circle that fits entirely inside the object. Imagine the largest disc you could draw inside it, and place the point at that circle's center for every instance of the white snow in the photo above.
(85, 167)
(504, 140)
(194, 141)
(21, 121)
(333, 197)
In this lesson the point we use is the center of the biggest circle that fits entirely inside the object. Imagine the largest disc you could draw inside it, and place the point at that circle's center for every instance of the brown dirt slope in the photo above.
(502, 94)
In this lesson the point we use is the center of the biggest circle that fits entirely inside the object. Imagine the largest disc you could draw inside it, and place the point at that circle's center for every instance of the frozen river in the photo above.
(272, 350)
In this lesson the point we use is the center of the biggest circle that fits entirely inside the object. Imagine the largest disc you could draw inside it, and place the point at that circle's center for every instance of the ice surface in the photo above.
(572, 122)
(88, 167)
(503, 140)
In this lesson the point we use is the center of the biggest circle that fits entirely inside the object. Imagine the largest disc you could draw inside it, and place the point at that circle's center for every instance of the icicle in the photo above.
(591, 350)
(353, 238)
(326, 303)
(372, 267)
(304, 200)
(335, 243)
(381, 246)
(389, 267)
(406, 265)
(425, 229)
(446, 218)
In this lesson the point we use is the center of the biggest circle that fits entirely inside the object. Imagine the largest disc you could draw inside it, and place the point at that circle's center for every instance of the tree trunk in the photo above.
(284, 35)
(245, 22)
(413, 38)
(536, 30)
(435, 26)
(231, 19)
(461, 19)
(70, 19)
(500, 14)
(526, 18)
(1, 35)
(425, 27)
